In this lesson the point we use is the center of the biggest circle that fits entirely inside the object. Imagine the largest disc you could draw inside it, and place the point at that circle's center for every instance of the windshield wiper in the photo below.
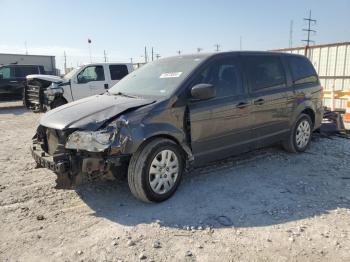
(126, 95)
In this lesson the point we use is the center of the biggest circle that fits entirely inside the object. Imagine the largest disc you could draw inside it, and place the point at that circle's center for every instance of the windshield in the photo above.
(157, 79)
(70, 74)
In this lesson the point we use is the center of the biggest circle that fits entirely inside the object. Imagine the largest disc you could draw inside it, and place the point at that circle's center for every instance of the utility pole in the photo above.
(217, 47)
(310, 22)
(65, 62)
(240, 43)
(291, 34)
(146, 60)
(152, 53)
(157, 56)
(178, 52)
(199, 49)
(105, 55)
(131, 60)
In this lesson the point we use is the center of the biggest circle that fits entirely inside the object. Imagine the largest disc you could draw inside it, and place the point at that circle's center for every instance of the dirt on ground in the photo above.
(266, 205)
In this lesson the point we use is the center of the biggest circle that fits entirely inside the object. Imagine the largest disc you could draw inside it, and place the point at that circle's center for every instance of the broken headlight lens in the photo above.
(93, 141)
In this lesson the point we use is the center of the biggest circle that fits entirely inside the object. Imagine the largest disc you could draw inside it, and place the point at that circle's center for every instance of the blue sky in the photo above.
(123, 28)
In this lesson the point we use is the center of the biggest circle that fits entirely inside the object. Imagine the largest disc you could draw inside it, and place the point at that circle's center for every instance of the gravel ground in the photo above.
(263, 206)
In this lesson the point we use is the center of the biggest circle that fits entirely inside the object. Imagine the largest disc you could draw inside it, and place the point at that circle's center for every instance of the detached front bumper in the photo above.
(45, 160)
(73, 167)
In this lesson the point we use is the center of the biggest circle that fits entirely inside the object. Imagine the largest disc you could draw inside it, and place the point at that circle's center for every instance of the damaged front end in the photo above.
(79, 155)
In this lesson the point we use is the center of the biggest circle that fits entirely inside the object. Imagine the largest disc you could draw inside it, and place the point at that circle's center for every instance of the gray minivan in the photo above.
(179, 112)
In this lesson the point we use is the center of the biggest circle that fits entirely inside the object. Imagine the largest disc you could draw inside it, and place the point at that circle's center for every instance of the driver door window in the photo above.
(90, 74)
(225, 76)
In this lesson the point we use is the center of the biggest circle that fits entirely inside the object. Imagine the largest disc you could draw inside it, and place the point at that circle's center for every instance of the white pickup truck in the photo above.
(44, 92)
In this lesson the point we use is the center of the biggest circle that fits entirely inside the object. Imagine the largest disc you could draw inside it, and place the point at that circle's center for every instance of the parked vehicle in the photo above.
(13, 77)
(43, 92)
(179, 112)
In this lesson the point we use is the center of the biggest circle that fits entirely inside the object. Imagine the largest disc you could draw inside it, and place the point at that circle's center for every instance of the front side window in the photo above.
(118, 71)
(302, 70)
(224, 75)
(264, 71)
(91, 73)
(6, 73)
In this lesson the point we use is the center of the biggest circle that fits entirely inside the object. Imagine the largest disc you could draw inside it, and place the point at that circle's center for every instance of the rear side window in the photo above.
(265, 71)
(26, 70)
(118, 71)
(302, 70)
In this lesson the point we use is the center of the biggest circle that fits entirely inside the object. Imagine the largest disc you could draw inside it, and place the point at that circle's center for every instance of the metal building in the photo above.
(48, 62)
(332, 63)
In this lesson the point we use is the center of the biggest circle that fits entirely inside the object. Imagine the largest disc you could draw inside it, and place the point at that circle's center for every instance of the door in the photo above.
(90, 81)
(269, 93)
(220, 126)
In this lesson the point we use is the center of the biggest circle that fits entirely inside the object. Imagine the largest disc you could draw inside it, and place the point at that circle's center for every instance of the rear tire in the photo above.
(300, 136)
(155, 170)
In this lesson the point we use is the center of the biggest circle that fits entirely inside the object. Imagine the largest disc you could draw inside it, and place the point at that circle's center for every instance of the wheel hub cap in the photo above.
(303, 134)
(164, 171)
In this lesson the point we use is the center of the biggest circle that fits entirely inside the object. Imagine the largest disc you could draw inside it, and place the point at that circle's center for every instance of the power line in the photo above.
(310, 22)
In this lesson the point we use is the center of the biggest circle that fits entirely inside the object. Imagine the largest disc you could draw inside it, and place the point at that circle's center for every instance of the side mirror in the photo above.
(81, 79)
(203, 91)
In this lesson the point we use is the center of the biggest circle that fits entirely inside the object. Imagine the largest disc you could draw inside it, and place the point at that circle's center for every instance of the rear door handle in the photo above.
(259, 101)
(242, 105)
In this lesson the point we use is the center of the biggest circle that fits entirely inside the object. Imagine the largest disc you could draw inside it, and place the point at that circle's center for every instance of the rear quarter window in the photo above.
(302, 70)
(118, 71)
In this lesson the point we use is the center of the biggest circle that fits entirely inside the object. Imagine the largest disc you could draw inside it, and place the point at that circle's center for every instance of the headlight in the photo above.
(97, 141)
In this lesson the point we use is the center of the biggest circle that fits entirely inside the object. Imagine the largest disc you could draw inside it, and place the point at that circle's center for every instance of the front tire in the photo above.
(155, 170)
(300, 135)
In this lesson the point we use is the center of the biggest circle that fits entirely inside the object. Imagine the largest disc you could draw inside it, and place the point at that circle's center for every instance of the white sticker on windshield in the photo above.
(170, 75)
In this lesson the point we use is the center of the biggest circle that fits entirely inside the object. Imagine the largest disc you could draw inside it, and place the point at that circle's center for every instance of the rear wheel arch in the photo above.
(310, 112)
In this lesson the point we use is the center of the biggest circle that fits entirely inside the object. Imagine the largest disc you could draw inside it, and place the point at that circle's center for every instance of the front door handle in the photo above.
(242, 105)
(259, 101)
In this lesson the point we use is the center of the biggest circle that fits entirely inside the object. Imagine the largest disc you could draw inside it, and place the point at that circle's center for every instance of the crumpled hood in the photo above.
(91, 112)
(51, 78)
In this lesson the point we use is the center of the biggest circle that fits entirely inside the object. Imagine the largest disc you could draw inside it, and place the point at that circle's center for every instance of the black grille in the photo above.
(34, 94)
